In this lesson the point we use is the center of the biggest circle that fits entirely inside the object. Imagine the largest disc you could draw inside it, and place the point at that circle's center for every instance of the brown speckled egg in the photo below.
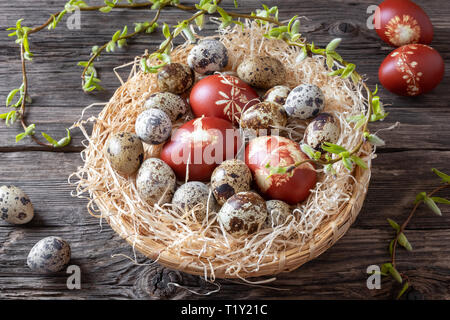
(262, 72)
(125, 152)
(153, 126)
(208, 56)
(51, 254)
(278, 211)
(156, 181)
(277, 94)
(305, 101)
(175, 78)
(230, 177)
(173, 105)
(243, 213)
(263, 117)
(324, 128)
(195, 194)
(15, 205)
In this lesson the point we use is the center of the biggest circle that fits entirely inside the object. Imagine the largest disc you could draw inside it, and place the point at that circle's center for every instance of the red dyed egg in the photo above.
(279, 151)
(401, 22)
(199, 146)
(222, 96)
(412, 70)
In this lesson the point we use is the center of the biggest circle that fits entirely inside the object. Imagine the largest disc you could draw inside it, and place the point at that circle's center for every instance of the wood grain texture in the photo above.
(402, 169)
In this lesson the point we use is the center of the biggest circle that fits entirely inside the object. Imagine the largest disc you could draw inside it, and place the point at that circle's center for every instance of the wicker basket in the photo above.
(106, 201)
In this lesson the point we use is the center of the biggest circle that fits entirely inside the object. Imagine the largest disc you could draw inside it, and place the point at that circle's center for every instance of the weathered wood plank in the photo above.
(55, 78)
(400, 171)
(336, 274)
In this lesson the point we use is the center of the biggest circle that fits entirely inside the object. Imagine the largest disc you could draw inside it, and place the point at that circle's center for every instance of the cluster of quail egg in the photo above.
(50, 254)
(229, 194)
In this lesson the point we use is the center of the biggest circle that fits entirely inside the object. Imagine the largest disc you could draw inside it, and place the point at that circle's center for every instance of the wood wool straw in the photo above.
(175, 238)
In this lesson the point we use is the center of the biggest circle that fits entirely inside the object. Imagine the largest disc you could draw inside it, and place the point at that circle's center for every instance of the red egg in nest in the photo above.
(222, 96)
(401, 22)
(199, 146)
(412, 70)
(293, 187)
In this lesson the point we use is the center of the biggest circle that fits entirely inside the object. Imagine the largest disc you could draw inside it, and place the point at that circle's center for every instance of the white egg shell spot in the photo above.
(208, 56)
(243, 213)
(277, 94)
(153, 126)
(324, 128)
(195, 195)
(305, 101)
(156, 181)
(173, 105)
(15, 205)
(49, 255)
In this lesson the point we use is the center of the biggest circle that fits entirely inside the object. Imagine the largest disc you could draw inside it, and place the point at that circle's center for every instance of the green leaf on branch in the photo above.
(9, 117)
(432, 205)
(359, 162)
(402, 292)
(445, 178)
(348, 71)
(394, 224)
(332, 46)
(333, 148)
(403, 241)
(29, 131)
(440, 200)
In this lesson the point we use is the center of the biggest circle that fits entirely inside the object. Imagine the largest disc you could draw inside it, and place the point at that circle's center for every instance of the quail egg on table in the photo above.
(324, 128)
(175, 78)
(195, 194)
(263, 117)
(230, 177)
(277, 94)
(173, 105)
(278, 211)
(153, 126)
(15, 205)
(262, 72)
(305, 101)
(155, 181)
(208, 56)
(243, 213)
(125, 152)
(49, 255)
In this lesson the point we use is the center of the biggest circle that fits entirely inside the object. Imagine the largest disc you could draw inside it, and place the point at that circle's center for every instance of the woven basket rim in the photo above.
(324, 236)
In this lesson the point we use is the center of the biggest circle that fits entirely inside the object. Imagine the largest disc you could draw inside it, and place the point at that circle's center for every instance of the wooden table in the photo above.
(401, 170)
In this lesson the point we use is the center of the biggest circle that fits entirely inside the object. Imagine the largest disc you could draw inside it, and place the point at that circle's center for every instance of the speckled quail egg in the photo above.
(153, 126)
(277, 94)
(175, 78)
(305, 101)
(230, 177)
(262, 72)
(208, 56)
(243, 213)
(195, 194)
(324, 128)
(125, 152)
(173, 105)
(155, 181)
(49, 255)
(278, 211)
(263, 117)
(15, 205)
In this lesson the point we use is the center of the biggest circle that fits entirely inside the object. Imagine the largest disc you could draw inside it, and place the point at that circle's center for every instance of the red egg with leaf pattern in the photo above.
(222, 96)
(292, 187)
(199, 146)
(412, 70)
(401, 22)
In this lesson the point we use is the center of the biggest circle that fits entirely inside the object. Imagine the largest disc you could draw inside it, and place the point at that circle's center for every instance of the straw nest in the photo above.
(169, 236)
